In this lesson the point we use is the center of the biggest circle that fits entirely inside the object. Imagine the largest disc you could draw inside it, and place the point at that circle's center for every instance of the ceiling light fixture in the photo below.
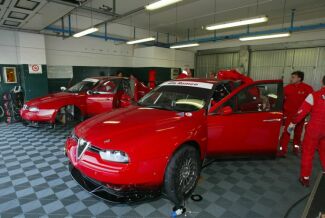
(185, 45)
(85, 32)
(137, 41)
(161, 4)
(236, 23)
(270, 36)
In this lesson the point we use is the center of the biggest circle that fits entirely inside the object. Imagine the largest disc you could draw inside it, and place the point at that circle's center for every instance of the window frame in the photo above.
(278, 108)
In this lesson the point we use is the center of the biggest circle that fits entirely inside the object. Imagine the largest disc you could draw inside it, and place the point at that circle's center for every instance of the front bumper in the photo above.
(43, 115)
(116, 194)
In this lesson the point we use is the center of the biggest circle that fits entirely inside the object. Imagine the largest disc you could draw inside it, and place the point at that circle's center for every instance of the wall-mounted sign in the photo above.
(9, 75)
(35, 68)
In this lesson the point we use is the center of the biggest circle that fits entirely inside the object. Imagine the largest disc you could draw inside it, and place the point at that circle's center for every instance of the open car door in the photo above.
(138, 89)
(101, 99)
(247, 121)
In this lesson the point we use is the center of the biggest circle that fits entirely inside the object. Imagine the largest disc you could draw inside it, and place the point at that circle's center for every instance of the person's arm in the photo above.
(305, 108)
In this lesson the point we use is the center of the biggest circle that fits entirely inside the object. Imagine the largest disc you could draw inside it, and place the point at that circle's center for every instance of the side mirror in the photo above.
(62, 88)
(226, 110)
(90, 92)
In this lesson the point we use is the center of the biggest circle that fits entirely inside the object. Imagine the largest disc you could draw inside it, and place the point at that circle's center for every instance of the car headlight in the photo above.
(114, 156)
(33, 109)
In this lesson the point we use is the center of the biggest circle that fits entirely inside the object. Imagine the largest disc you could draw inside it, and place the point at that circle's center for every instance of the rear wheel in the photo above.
(182, 174)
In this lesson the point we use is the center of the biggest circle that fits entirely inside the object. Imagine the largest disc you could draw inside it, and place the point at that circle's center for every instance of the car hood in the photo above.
(126, 123)
(50, 99)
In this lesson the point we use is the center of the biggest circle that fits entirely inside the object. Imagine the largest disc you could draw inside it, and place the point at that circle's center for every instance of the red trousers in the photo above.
(313, 140)
(285, 138)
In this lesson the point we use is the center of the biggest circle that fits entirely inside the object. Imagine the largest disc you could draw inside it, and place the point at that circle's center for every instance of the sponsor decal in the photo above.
(188, 84)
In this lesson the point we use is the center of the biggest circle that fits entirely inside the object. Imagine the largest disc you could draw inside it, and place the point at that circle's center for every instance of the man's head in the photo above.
(212, 75)
(297, 77)
(119, 74)
(324, 80)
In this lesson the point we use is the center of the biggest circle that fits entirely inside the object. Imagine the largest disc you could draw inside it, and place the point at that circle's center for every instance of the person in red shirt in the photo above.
(186, 73)
(294, 95)
(233, 75)
(315, 132)
(212, 75)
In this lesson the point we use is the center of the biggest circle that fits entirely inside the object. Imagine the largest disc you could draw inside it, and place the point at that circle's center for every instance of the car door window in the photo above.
(107, 87)
(221, 91)
(257, 98)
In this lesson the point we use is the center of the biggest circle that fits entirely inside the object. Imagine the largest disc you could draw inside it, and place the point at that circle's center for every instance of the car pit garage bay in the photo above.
(162, 108)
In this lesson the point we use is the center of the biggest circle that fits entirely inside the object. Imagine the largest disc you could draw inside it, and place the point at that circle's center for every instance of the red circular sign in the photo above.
(35, 68)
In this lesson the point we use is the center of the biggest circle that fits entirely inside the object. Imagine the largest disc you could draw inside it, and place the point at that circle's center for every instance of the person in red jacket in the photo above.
(294, 95)
(233, 75)
(315, 132)
(186, 73)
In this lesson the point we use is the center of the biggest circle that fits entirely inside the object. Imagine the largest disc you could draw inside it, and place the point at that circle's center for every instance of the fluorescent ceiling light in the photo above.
(161, 4)
(235, 23)
(141, 40)
(185, 45)
(271, 36)
(85, 32)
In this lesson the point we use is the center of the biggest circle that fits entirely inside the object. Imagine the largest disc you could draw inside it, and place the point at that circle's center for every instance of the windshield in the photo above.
(83, 86)
(177, 97)
(108, 86)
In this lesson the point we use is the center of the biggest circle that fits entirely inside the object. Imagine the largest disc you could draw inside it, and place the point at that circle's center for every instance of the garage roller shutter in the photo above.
(216, 62)
(279, 64)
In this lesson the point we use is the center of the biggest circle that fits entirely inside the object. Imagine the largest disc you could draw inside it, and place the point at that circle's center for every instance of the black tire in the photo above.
(182, 174)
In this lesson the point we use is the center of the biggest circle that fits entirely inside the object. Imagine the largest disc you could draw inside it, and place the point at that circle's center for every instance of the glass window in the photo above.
(83, 86)
(108, 87)
(176, 98)
(257, 98)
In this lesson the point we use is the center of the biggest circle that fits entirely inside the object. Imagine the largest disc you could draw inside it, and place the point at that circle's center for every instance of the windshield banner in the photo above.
(189, 84)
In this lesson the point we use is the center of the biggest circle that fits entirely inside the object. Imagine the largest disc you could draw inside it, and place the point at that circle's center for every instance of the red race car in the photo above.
(89, 97)
(159, 144)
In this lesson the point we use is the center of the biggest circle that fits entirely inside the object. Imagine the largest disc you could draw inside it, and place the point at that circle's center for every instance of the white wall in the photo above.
(27, 48)
(21, 48)
(87, 51)
(162, 57)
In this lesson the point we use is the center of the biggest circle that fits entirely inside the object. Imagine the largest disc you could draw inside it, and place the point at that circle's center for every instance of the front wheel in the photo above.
(182, 174)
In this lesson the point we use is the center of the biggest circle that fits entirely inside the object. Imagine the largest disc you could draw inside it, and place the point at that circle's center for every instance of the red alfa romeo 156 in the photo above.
(89, 97)
(158, 145)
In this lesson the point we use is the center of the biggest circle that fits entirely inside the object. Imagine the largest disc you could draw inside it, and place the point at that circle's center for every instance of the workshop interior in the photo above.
(162, 108)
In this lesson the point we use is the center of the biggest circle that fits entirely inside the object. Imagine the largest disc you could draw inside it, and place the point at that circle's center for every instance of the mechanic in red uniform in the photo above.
(212, 75)
(294, 95)
(186, 73)
(233, 75)
(315, 132)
